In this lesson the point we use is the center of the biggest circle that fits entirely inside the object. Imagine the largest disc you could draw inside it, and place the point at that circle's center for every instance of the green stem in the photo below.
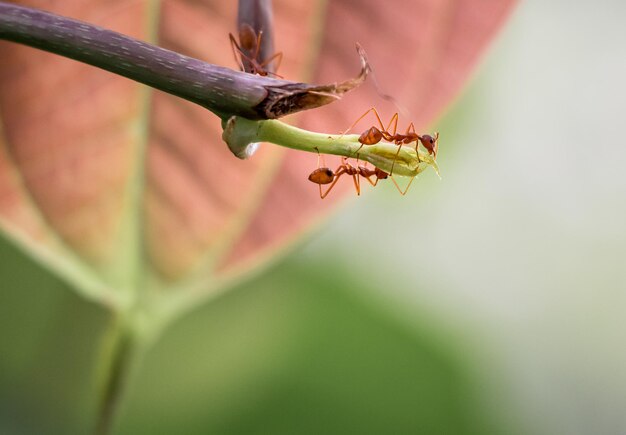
(122, 352)
(242, 135)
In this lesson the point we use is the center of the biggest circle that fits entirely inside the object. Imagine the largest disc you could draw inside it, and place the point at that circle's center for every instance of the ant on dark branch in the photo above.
(250, 42)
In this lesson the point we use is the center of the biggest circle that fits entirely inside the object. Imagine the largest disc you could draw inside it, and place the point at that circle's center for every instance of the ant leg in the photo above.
(368, 178)
(257, 49)
(355, 174)
(367, 173)
(318, 157)
(357, 151)
(371, 109)
(394, 121)
(398, 187)
(273, 74)
(338, 174)
(357, 183)
(235, 47)
(318, 166)
(411, 130)
(395, 158)
(357, 159)
(279, 58)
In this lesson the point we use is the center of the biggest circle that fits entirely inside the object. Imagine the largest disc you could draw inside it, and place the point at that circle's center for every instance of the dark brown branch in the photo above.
(221, 90)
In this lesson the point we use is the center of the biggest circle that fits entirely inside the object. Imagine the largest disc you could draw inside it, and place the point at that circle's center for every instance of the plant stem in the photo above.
(221, 90)
(124, 348)
(241, 135)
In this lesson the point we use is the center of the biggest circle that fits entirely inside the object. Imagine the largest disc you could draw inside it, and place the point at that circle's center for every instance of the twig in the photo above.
(240, 134)
(221, 90)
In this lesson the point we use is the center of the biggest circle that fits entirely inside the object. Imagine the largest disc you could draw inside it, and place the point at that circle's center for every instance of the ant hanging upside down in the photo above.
(373, 135)
(250, 42)
(325, 175)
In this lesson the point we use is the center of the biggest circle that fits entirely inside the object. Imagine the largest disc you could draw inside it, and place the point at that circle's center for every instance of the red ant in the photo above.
(374, 135)
(325, 175)
(251, 43)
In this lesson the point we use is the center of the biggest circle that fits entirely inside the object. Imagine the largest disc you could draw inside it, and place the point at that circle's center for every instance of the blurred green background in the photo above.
(492, 301)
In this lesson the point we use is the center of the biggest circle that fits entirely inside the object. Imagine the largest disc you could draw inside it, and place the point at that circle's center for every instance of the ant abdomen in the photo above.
(371, 136)
(322, 176)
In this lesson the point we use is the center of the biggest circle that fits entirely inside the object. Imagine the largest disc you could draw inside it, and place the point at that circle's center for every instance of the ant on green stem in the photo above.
(373, 135)
(324, 175)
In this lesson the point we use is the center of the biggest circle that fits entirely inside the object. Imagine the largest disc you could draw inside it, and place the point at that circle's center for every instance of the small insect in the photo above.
(373, 135)
(249, 49)
(324, 176)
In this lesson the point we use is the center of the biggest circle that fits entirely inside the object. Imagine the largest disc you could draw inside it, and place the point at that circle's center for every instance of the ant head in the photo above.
(430, 143)
(322, 176)
(371, 136)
